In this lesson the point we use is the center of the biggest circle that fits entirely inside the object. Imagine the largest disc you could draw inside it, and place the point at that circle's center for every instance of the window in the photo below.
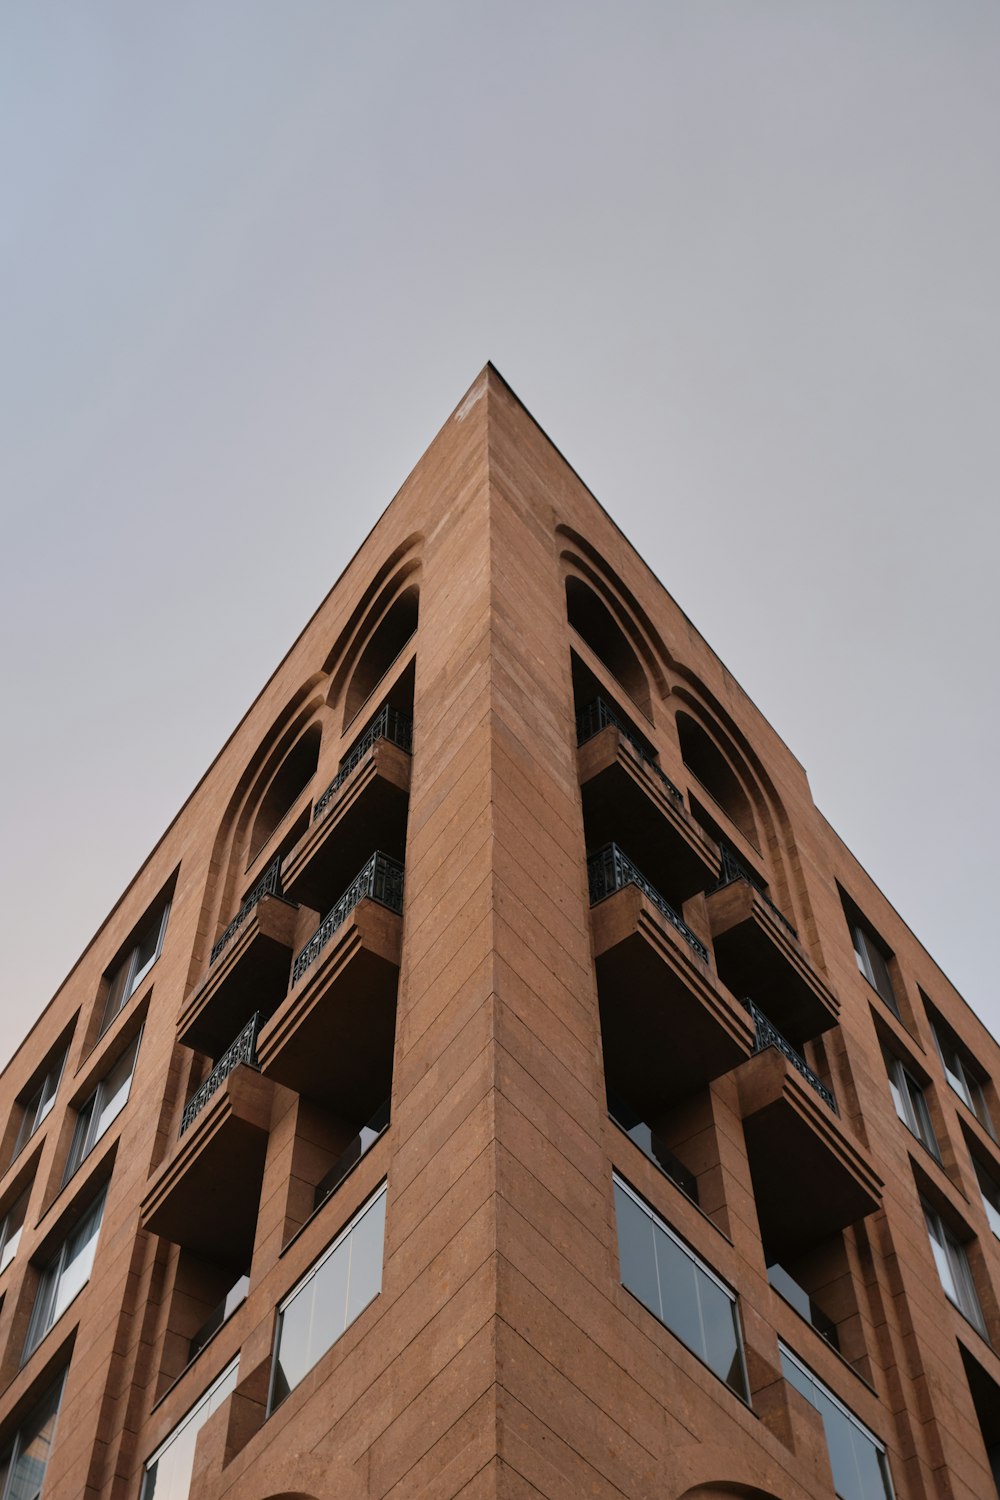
(23, 1463)
(953, 1268)
(873, 960)
(857, 1458)
(10, 1229)
(990, 1190)
(39, 1098)
(102, 1108)
(911, 1106)
(167, 1475)
(679, 1288)
(329, 1297)
(66, 1274)
(136, 962)
(961, 1072)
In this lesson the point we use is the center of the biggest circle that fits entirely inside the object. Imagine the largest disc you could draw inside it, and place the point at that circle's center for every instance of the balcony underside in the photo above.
(367, 812)
(206, 1196)
(667, 1027)
(332, 1038)
(626, 802)
(756, 955)
(809, 1179)
(251, 974)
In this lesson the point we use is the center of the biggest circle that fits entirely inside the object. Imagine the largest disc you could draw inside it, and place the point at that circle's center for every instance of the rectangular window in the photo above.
(857, 1458)
(10, 1229)
(911, 1106)
(335, 1291)
(134, 964)
(679, 1288)
(961, 1072)
(23, 1463)
(102, 1108)
(167, 1475)
(873, 961)
(38, 1100)
(953, 1269)
(66, 1274)
(990, 1190)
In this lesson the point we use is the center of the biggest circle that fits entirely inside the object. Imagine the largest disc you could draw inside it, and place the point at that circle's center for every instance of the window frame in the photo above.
(129, 967)
(812, 1379)
(85, 1136)
(11, 1455)
(231, 1371)
(903, 1086)
(992, 1209)
(39, 1104)
(867, 943)
(960, 1071)
(46, 1309)
(370, 1203)
(949, 1252)
(705, 1270)
(7, 1236)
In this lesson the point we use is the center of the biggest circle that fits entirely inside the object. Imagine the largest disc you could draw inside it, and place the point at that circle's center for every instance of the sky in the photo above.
(738, 257)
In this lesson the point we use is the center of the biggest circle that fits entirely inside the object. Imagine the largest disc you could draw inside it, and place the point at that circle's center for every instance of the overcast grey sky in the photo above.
(738, 257)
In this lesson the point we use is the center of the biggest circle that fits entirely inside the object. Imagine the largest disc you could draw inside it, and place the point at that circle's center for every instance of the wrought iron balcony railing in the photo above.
(733, 868)
(610, 870)
(269, 884)
(768, 1035)
(388, 724)
(243, 1050)
(381, 880)
(359, 1147)
(597, 716)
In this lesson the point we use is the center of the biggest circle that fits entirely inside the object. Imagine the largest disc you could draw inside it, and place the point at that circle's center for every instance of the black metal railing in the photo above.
(243, 1050)
(388, 724)
(733, 868)
(650, 1145)
(610, 870)
(352, 1154)
(233, 1299)
(597, 716)
(381, 880)
(269, 884)
(768, 1035)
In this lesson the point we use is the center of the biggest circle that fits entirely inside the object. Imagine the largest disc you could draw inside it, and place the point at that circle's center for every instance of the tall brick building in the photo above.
(500, 1080)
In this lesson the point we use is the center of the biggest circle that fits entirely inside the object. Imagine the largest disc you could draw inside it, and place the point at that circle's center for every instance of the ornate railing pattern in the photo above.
(352, 1154)
(269, 884)
(597, 716)
(243, 1050)
(381, 880)
(733, 868)
(768, 1035)
(388, 724)
(610, 870)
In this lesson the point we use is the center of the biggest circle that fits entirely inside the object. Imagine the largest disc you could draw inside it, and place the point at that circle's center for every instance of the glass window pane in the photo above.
(856, 1458)
(118, 991)
(33, 1445)
(329, 1310)
(367, 1242)
(721, 1341)
(292, 1357)
(637, 1251)
(168, 1472)
(679, 1292)
(78, 1259)
(10, 1231)
(146, 953)
(114, 1091)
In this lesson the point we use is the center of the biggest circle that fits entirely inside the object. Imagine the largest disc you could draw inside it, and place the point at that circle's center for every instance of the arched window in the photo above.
(594, 623)
(294, 773)
(384, 645)
(703, 757)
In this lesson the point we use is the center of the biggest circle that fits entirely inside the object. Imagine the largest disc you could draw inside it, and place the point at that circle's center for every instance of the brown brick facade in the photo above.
(496, 1026)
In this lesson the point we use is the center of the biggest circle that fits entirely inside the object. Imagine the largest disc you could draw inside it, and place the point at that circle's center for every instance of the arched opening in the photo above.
(384, 645)
(294, 774)
(704, 758)
(594, 623)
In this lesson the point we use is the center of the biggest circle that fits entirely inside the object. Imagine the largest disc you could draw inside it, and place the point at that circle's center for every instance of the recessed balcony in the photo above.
(332, 1037)
(364, 806)
(668, 1026)
(809, 1178)
(250, 974)
(628, 798)
(206, 1195)
(757, 952)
